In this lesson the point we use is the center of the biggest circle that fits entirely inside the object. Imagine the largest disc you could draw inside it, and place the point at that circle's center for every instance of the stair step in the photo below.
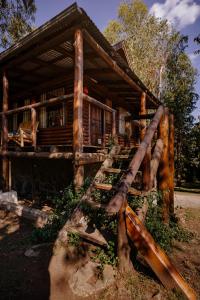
(103, 186)
(121, 157)
(112, 170)
(131, 191)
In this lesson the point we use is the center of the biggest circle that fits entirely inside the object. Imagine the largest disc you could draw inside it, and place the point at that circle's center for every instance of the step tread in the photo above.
(113, 170)
(108, 187)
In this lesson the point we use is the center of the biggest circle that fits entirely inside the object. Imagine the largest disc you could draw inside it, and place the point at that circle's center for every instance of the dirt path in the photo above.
(187, 200)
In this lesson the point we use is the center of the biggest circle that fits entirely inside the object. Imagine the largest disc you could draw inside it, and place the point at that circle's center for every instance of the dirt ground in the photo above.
(23, 277)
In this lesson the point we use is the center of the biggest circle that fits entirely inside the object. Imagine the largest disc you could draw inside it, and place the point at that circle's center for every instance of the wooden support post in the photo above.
(33, 125)
(125, 183)
(147, 158)
(163, 173)
(155, 161)
(78, 109)
(5, 161)
(171, 164)
(123, 249)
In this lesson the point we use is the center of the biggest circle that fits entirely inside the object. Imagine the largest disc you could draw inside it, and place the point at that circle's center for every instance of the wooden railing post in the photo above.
(123, 248)
(5, 161)
(147, 159)
(33, 125)
(163, 172)
(78, 109)
(171, 163)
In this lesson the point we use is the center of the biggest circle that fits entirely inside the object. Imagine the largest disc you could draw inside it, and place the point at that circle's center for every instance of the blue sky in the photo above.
(184, 14)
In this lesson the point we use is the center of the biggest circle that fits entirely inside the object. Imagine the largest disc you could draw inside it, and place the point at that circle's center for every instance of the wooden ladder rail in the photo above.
(78, 221)
(117, 201)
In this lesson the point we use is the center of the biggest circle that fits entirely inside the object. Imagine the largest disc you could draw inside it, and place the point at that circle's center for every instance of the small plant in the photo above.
(74, 239)
(163, 233)
(105, 256)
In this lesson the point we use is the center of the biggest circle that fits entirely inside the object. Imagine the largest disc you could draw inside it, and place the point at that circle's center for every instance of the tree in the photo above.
(147, 41)
(16, 19)
(179, 95)
(197, 40)
(156, 53)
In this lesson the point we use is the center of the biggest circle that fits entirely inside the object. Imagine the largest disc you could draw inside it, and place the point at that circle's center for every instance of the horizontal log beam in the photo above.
(39, 104)
(55, 155)
(116, 202)
(113, 65)
(98, 103)
(97, 48)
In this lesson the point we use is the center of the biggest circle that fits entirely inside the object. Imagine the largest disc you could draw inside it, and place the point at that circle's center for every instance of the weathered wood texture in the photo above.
(163, 173)
(155, 256)
(5, 161)
(78, 108)
(171, 163)
(34, 127)
(123, 247)
(155, 161)
(116, 202)
(147, 157)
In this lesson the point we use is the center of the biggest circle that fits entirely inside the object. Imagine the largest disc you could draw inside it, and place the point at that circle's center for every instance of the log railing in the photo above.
(117, 201)
(33, 108)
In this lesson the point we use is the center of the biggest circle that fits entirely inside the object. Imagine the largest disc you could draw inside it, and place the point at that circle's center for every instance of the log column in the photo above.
(5, 161)
(33, 125)
(147, 158)
(163, 172)
(171, 164)
(78, 109)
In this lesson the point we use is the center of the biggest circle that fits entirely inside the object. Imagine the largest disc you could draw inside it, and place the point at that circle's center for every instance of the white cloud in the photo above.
(180, 13)
(192, 57)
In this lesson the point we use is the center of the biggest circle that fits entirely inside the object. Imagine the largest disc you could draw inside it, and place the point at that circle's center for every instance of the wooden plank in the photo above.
(163, 172)
(155, 256)
(116, 202)
(112, 170)
(131, 191)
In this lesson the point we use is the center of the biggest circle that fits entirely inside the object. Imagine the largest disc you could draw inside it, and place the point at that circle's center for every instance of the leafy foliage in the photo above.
(197, 40)
(16, 19)
(162, 233)
(179, 95)
(147, 40)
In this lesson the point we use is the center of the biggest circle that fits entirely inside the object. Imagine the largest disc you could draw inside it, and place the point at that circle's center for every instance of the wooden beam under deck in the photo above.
(81, 159)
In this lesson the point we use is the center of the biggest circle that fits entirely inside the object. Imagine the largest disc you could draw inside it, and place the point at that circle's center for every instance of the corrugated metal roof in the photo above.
(71, 16)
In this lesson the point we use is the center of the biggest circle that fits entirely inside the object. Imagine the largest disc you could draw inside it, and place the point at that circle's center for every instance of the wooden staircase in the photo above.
(123, 165)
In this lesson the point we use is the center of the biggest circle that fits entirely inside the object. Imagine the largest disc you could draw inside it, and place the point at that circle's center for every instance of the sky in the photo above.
(183, 14)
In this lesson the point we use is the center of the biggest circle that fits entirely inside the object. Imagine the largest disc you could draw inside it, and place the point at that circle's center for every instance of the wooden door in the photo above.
(96, 126)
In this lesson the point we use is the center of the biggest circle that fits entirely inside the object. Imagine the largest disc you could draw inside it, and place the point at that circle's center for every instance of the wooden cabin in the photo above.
(66, 96)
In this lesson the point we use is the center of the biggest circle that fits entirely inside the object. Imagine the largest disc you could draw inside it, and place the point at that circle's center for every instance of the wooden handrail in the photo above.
(98, 103)
(38, 104)
(57, 100)
(117, 201)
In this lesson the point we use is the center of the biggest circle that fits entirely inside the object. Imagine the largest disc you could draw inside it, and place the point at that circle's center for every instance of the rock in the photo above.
(86, 281)
(31, 253)
(157, 296)
(9, 196)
